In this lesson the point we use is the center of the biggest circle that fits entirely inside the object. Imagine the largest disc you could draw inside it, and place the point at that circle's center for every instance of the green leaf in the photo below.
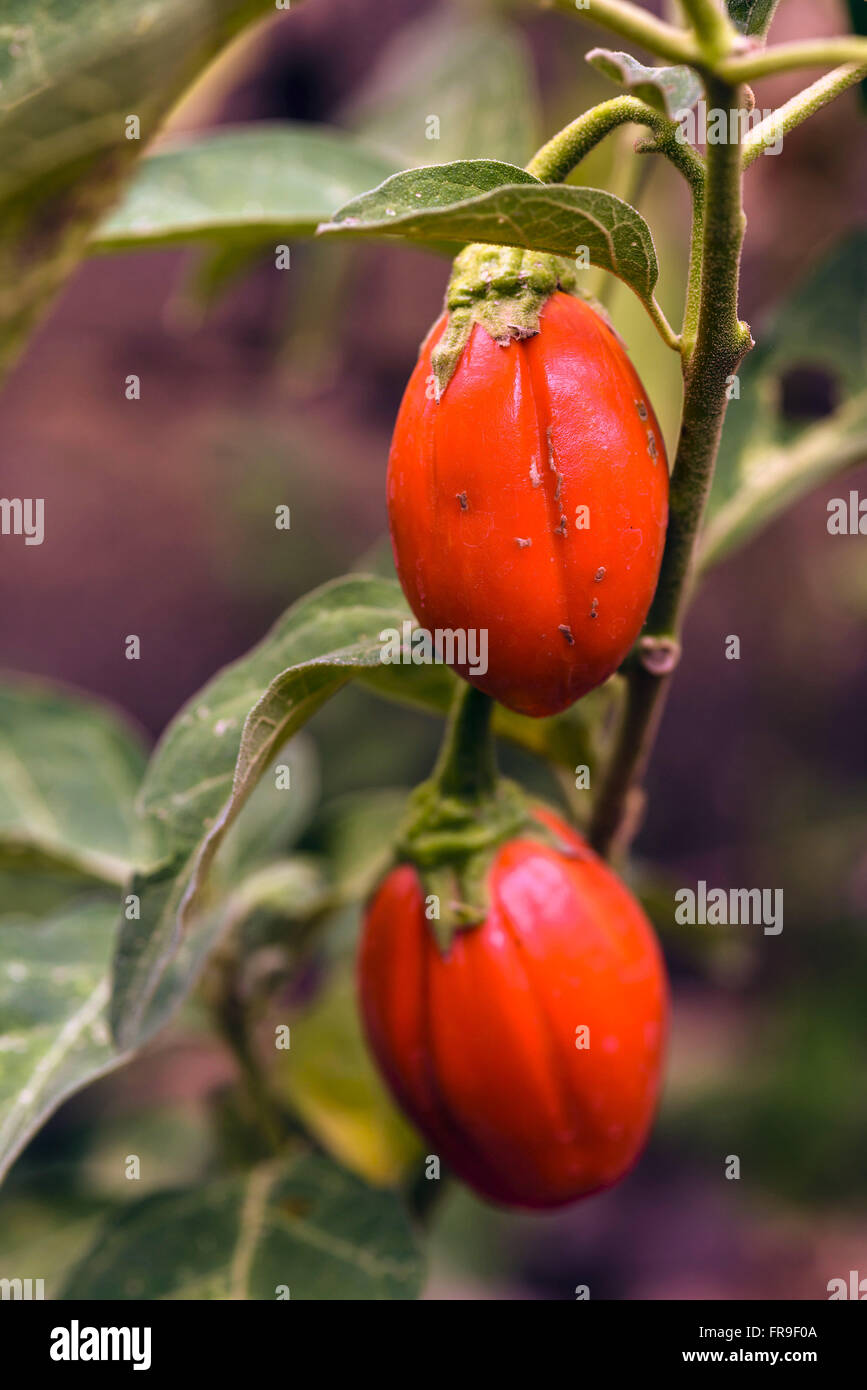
(482, 200)
(767, 462)
(329, 1079)
(302, 1225)
(472, 75)
(70, 75)
(752, 16)
(670, 90)
(69, 771)
(246, 185)
(211, 758)
(54, 1035)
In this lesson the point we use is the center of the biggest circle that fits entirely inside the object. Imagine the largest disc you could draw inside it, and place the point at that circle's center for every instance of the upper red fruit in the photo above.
(485, 487)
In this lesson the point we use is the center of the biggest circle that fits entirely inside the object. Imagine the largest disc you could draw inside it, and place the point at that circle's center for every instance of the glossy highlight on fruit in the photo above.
(530, 501)
(529, 1054)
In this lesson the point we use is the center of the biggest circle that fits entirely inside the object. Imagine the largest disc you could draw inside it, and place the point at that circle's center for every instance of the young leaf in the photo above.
(208, 763)
(752, 16)
(299, 1228)
(83, 87)
(69, 771)
(472, 71)
(768, 461)
(482, 200)
(248, 185)
(54, 989)
(668, 90)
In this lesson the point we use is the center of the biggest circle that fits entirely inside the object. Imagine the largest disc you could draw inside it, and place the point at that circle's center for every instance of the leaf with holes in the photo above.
(669, 90)
(768, 461)
(298, 1228)
(483, 200)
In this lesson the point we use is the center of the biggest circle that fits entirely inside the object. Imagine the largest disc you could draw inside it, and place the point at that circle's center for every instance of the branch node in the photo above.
(659, 655)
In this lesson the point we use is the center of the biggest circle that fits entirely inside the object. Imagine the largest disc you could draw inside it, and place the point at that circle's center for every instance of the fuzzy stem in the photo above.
(556, 160)
(785, 57)
(794, 112)
(634, 23)
(721, 343)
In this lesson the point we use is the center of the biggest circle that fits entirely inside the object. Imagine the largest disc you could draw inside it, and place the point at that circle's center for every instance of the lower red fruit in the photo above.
(529, 1054)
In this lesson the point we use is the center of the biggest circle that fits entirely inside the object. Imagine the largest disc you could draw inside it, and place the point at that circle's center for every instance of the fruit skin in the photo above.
(479, 1045)
(522, 436)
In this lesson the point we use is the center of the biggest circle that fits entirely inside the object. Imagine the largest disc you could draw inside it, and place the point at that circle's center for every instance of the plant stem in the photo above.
(721, 342)
(793, 113)
(784, 57)
(634, 23)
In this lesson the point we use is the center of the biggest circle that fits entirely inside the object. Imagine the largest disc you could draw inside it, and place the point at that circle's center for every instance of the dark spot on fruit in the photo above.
(642, 410)
(560, 530)
(600, 573)
(567, 633)
(462, 498)
(594, 608)
(522, 542)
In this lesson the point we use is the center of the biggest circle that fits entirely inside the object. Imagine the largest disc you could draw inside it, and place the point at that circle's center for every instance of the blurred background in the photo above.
(283, 389)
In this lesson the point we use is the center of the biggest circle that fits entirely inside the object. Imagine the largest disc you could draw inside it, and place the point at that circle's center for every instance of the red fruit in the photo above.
(479, 1044)
(485, 487)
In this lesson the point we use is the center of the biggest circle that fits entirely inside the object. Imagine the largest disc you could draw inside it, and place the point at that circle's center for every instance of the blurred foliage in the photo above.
(53, 744)
(794, 1111)
(473, 71)
(300, 1225)
(71, 74)
(330, 1080)
(769, 458)
(54, 991)
(255, 186)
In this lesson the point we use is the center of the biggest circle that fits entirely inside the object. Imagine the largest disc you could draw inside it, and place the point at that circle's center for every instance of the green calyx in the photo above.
(502, 288)
(460, 818)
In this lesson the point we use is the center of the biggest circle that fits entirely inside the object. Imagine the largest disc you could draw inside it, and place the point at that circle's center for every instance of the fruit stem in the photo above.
(467, 764)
